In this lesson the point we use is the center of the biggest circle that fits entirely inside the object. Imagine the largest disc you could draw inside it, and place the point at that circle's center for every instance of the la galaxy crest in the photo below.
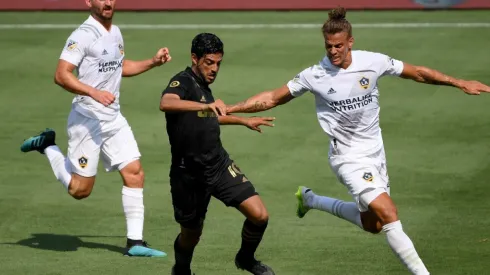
(364, 82)
(83, 161)
(368, 176)
(121, 49)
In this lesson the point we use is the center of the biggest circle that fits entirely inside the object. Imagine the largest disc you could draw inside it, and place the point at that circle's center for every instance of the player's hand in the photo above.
(254, 123)
(162, 57)
(473, 87)
(104, 97)
(218, 107)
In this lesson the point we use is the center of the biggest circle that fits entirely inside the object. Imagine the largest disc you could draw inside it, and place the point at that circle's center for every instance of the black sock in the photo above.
(251, 237)
(183, 257)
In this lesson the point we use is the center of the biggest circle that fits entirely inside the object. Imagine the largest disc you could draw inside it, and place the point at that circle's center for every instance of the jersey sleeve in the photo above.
(299, 84)
(388, 66)
(76, 47)
(177, 85)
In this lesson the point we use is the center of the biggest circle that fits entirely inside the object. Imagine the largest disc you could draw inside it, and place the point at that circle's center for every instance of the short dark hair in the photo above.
(337, 22)
(206, 43)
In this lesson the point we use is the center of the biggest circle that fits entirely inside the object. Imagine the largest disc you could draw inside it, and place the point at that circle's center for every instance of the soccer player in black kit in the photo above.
(201, 167)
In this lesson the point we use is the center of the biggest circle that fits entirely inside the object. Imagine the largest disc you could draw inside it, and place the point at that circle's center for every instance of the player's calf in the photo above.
(385, 210)
(184, 246)
(370, 222)
(252, 232)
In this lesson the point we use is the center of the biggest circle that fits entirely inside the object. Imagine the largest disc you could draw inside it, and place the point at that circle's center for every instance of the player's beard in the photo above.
(106, 13)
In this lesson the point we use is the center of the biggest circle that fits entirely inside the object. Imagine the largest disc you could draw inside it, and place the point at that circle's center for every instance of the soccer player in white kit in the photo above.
(344, 84)
(96, 126)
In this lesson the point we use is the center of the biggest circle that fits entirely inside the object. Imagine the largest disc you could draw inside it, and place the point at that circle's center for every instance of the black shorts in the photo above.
(190, 196)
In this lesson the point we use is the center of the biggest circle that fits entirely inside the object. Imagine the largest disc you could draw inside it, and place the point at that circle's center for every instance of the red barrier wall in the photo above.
(247, 4)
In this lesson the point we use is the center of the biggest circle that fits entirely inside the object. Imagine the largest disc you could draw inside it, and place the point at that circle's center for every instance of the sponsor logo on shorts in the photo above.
(368, 176)
(83, 162)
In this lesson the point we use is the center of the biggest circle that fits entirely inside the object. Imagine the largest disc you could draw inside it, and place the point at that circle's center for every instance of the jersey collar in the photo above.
(91, 20)
(327, 65)
(196, 77)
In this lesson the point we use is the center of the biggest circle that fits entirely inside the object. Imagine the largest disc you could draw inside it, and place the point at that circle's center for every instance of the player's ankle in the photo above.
(131, 242)
(245, 256)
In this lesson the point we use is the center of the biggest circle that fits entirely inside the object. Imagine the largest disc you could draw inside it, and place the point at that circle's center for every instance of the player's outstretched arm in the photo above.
(132, 68)
(172, 103)
(263, 101)
(253, 123)
(64, 77)
(431, 76)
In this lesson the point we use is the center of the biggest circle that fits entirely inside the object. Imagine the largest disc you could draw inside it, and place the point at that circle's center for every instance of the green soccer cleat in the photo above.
(142, 250)
(40, 142)
(302, 209)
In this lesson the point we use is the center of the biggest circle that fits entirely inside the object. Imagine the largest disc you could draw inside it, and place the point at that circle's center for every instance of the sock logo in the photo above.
(83, 162)
(368, 176)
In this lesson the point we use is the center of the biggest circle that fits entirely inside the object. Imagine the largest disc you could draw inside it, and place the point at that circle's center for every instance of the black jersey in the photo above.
(195, 135)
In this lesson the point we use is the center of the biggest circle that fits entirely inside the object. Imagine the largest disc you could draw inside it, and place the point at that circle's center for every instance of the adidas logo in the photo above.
(331, 91)
(104, 52)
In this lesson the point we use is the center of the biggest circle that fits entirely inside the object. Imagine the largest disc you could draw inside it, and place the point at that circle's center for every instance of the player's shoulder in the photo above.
(369, 59)
(313, 70)
(84, 34)
(367, 56)
(117, 30)
(182, 79)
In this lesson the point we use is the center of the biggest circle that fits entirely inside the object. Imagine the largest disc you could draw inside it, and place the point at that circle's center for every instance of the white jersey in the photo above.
(347, 102)
(98, 55)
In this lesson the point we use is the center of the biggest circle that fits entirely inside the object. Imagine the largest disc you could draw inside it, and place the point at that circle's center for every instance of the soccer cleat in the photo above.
(40, 142)
(302, 209)
(175, 271)
(141, 249)
(253, 266)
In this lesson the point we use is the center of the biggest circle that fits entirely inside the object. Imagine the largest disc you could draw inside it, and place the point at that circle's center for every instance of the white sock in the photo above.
(134, 210)
(344, 210)
(403, 247)
(60, 164)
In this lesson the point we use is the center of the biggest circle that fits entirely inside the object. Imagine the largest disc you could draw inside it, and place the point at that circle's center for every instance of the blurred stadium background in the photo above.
(436, 137)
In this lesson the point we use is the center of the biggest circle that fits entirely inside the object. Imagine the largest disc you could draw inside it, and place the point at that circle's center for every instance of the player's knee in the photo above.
(80, 194)
(388, 214)
(133, 175)
(260, 217)
(79, 190)
(191, 237)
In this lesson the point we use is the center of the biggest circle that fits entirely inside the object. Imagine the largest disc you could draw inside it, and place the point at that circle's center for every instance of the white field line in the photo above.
(245, 26)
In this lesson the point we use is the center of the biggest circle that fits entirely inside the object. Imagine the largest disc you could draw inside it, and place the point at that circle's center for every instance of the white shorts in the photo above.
(86, 138)
(365, 178)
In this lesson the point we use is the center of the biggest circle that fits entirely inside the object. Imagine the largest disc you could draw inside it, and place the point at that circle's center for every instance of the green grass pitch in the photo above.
(436, 138)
